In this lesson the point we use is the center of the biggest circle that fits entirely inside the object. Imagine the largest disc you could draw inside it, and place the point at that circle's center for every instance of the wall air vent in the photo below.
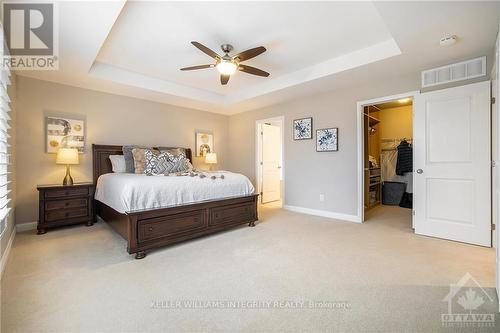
(455, 72)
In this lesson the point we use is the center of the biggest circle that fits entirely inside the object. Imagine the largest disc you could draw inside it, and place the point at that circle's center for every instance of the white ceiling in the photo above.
(136, 48)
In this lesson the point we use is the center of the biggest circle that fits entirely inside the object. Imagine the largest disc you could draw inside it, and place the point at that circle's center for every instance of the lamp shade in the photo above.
(211, 158)
(67, 156)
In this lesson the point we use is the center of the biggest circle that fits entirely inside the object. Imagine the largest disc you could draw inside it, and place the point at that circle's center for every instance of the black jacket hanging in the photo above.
(405, 158)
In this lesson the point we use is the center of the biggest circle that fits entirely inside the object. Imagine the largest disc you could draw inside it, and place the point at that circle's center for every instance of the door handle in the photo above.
(420, 171)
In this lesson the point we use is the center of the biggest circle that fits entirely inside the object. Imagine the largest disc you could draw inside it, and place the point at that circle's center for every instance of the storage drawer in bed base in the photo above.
(151, 229)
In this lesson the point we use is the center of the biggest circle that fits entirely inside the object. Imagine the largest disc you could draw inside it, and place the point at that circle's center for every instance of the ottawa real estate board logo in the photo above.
(469, 305)
(31, 36)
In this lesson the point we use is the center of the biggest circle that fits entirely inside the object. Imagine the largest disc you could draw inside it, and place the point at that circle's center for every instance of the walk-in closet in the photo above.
(388, 154)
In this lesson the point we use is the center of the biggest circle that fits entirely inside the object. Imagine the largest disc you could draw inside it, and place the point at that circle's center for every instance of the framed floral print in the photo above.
(302, 129)
(327, 139)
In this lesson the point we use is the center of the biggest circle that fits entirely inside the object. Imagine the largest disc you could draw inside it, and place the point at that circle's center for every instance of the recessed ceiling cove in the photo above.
(304, 41)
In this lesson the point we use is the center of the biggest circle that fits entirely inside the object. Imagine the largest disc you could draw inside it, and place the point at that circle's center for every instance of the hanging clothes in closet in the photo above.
(397, 189)
(404, 167)
(405, 158)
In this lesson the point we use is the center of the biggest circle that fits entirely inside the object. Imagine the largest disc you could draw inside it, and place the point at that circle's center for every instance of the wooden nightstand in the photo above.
(61, 205)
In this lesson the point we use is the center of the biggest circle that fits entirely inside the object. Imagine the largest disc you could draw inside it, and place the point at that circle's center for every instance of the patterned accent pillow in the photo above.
(173, 151)
(165, 163)
(179, 163)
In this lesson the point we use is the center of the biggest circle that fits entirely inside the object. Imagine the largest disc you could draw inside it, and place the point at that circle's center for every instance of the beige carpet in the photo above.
(80, 279)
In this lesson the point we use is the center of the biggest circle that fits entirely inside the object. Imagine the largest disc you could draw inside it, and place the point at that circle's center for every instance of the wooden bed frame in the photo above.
(149, 229)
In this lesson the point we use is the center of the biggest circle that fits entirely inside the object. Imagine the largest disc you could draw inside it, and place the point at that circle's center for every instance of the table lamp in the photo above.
(67, 156)
(211, 158)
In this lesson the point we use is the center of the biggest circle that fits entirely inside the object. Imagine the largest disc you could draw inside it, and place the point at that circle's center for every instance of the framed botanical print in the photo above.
(204, 143)
(302, 129)
(327, 139)
(64, 132)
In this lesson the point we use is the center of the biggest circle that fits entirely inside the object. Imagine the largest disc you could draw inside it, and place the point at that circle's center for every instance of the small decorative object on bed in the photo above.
(204, 143)
(150, 212)
(302, 129)
(62, 132)
(326, 139)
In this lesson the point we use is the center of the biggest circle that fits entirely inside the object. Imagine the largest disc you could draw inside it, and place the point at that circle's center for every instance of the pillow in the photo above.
(173, 151)
(165, 163)
(179, 163)
(118, 163)
(129, 158)
(139, 160)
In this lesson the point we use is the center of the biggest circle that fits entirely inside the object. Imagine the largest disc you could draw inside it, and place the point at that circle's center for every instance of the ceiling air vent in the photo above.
(455, 72)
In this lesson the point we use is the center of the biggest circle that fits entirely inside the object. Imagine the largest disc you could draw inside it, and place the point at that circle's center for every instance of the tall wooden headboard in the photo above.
(102, 164)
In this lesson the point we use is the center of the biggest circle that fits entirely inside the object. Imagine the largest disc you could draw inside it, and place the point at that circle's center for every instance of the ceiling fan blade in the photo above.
(252, 70)
(251, 53)
(224, 79)
(196, 67)
(206, 50)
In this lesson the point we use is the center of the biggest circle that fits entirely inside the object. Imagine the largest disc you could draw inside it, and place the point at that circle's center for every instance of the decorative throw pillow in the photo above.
(164, 163)
(129, 157)
(179, 163)
(173, 151)
(139, 159)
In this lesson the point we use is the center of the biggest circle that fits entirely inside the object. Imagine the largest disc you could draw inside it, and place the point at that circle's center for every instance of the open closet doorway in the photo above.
(388, 161)
(269, 168)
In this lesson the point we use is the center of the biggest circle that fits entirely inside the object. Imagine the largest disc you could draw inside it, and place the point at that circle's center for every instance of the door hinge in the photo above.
(493, 100)
(261, 133)
(493, 164)
(493, 226)
(261, 163)
(261, 193)
(413, 212)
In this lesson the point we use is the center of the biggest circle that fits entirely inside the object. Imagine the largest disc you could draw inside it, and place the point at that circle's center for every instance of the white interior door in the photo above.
(452, 183)
(271, 163)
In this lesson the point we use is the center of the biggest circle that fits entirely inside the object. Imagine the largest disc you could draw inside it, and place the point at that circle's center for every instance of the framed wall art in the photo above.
(64, 132)
(327, 139)
(204, 143)
(302, 129)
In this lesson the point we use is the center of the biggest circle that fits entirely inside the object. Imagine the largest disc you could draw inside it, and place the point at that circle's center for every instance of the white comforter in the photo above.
(126, 192)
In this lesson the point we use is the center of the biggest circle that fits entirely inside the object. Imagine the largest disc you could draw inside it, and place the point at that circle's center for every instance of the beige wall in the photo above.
(396, 122)
(111, 119)
(307, 172)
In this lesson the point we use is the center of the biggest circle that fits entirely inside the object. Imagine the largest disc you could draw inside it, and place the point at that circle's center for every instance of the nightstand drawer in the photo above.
(69, 192)
(62, 204)
(65, 214)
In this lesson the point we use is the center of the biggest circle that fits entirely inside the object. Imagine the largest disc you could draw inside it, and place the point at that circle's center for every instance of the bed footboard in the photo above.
(150, 229)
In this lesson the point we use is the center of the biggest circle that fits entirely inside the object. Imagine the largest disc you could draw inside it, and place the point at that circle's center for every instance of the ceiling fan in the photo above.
(228, 65)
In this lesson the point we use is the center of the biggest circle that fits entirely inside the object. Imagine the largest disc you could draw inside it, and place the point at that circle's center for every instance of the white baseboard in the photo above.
(5, 256)
(26, 226)
(324, 213)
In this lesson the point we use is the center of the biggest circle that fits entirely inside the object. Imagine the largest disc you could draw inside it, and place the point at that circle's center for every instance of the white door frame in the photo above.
(496, 128)
(258, 153)
(361, 140)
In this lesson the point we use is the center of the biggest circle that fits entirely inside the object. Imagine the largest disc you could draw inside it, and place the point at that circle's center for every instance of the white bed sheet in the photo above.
(126, 192)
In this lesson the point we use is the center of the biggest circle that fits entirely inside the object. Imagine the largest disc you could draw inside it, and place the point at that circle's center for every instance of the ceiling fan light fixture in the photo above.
(227, 67)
